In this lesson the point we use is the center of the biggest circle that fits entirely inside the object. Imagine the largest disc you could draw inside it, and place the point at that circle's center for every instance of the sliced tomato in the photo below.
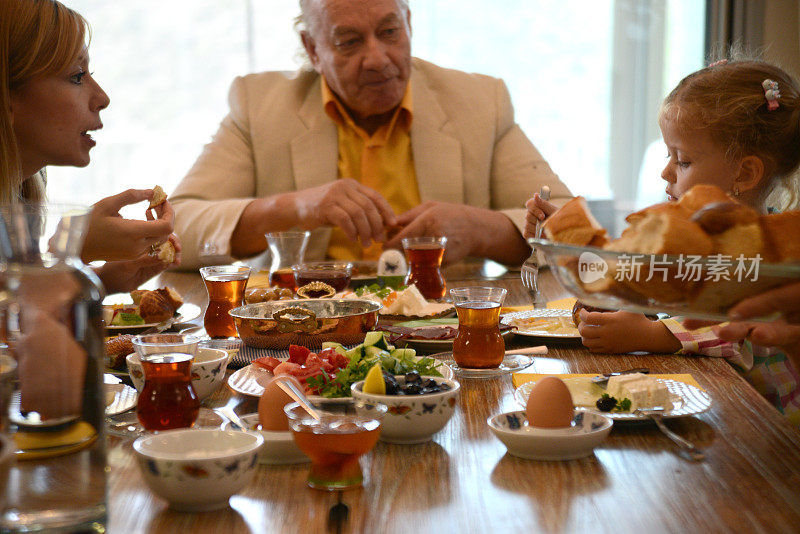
(288, 368)
(298, 354)
(268, 362)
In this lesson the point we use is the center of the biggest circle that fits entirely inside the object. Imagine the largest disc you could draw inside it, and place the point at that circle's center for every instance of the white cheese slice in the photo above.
(642, 390)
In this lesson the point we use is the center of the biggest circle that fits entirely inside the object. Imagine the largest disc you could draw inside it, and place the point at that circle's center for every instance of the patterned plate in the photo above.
(686, 398)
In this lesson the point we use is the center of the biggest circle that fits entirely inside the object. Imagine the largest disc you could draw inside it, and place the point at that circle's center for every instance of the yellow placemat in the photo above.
(520, 378)
(561, 304)
(34, 445)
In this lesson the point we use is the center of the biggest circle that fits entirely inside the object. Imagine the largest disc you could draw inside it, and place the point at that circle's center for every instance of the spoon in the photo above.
(287, 385)
(235, 420)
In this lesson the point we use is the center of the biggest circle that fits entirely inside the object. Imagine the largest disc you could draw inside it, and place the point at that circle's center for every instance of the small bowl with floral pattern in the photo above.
(198, 469)
(586, 430)
(412, 418)
(208, 370)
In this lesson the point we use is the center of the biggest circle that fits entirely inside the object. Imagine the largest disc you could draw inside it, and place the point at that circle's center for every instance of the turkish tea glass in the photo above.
(424, 256)
(478, 343)
(287, 249)
(225, 285)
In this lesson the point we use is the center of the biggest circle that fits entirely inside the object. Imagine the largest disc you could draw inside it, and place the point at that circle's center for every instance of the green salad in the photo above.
(375, 349)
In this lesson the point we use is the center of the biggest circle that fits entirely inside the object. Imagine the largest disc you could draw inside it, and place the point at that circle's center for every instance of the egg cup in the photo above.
(587, 430)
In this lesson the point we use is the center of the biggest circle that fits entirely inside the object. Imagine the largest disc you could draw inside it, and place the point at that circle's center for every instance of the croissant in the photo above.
(154, 307)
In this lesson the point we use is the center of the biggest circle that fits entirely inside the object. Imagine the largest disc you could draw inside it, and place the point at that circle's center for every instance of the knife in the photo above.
(602, 380)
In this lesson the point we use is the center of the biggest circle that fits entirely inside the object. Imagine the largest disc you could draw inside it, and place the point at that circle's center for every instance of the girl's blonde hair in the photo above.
(38, 38)
(727, 100)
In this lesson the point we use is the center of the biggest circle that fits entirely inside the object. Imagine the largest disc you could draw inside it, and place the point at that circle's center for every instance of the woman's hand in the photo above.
(621, 332)
(110, 237)
(126, 275)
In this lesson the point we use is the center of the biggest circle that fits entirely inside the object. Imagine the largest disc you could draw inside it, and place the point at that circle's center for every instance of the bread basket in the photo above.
(307, 322)
(703, 287)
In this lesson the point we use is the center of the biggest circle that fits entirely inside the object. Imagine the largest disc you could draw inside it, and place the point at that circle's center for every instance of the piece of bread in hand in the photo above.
(166, 252)
(159, 197)
(573, 224)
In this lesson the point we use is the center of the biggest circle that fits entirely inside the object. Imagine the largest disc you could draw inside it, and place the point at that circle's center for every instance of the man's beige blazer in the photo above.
(277, 138)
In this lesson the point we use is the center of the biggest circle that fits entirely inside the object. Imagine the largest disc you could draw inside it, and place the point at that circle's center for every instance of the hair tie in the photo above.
(718, 62)
(771, 93)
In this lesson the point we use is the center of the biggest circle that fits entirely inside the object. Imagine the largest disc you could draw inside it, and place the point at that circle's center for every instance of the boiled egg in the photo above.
(270, 407)
(550, 404)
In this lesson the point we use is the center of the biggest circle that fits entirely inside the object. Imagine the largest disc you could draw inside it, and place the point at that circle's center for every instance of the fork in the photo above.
(694, 453)
(530, 268)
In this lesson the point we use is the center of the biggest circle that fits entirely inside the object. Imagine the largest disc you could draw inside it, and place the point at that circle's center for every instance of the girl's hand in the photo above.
(538, 210)
(621, 332)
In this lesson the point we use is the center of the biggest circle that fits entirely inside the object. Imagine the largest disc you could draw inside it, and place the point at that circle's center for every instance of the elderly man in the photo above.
(369, 147)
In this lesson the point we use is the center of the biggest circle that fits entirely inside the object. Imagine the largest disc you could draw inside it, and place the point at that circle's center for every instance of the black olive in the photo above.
(412, 377)
(606, 403)
(430, 383)
(413, 389)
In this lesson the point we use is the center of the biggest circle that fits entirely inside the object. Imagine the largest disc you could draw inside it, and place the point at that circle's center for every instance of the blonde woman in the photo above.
(50, 105)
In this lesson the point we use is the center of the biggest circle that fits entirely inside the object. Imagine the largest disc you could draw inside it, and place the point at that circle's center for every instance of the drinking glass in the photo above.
(335, 274)
(424, 256)
(287, 249)
(168, 399)
(51, 319)
(478, 343)
(148, 344)
(336, 441)
(225, 285)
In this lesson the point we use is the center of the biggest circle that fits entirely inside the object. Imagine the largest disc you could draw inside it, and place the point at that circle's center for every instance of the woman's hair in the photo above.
(728, 100)
(38, 38)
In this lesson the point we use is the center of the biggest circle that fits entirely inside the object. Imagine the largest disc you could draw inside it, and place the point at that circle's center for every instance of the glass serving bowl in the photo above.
(702, 287)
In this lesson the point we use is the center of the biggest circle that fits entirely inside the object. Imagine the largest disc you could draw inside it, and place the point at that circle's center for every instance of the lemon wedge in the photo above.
(373, 383)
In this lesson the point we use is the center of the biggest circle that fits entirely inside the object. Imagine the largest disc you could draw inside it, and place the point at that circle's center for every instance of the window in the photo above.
(586, 78)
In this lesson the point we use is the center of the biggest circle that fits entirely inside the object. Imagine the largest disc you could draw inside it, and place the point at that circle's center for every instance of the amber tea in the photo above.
(168, 399)
(225, 286)
(478, 343)
(424, 256)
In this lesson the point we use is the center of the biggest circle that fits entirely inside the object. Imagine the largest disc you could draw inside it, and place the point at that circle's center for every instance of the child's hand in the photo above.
(538, 210)
(620, 332)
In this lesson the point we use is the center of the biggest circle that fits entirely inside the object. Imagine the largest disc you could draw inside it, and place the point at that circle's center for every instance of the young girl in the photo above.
(49, 104)
(735, 125)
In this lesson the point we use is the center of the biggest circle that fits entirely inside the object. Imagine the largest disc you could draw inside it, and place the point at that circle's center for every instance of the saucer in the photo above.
(511, 364)
(579, 439)
(279, 447)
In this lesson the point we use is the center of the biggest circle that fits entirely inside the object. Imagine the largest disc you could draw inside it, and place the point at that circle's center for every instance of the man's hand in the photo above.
(111, 237)
(538, 210)
(361, 212)
(469, 231)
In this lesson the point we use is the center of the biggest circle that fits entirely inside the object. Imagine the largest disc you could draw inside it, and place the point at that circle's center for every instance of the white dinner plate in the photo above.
(568, 331)
(247, 381)
(686, 398)
(187, 312)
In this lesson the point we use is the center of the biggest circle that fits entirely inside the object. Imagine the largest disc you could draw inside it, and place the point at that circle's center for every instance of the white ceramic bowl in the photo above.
(198, 469)
(588, 429)
(208, 370)
(412, 418)
(279, 447)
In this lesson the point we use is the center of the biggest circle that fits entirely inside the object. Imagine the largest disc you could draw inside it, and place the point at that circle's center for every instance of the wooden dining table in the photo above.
(463, 480)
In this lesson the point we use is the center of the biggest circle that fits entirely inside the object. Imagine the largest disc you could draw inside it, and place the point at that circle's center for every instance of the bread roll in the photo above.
(573, 224)
(701, 195)
(664, 231)
(154, 307)
(116, 350)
